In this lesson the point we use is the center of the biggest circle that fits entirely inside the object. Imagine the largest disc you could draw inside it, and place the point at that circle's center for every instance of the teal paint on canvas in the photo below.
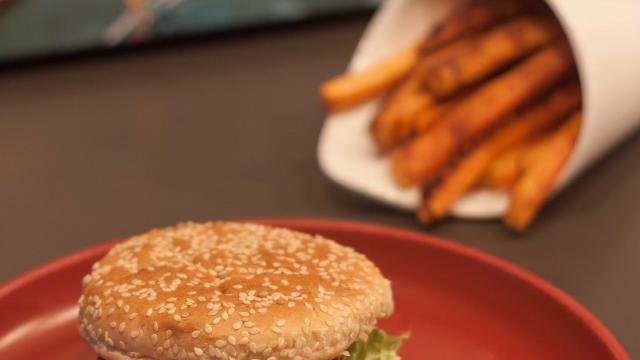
(35, 28)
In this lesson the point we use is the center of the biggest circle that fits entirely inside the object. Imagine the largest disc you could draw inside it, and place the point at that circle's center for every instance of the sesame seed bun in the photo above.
(222, 290)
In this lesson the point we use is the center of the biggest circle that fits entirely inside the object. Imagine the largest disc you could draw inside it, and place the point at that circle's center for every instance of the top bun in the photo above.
(223, 290)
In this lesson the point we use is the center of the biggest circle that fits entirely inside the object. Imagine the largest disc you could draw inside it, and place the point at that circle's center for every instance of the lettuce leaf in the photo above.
(379, 346)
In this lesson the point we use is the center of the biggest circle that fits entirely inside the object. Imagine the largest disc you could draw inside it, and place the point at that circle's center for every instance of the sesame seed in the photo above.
(211, 351)
(198, 351)
(231, 339)
(195, 334)
(220, 343)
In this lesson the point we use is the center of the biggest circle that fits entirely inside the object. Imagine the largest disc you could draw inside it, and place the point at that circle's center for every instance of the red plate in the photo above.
(457, 302)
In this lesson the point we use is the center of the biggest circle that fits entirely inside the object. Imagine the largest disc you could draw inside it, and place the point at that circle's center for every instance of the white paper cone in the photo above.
(605, 38)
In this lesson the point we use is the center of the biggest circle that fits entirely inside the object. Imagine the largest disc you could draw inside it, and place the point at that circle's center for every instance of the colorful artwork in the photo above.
(34, 28)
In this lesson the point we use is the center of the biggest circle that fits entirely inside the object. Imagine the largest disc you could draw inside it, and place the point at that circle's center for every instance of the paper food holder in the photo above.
(604, 39)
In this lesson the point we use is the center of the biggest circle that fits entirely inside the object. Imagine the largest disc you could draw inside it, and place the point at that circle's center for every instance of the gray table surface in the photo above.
(97, 147)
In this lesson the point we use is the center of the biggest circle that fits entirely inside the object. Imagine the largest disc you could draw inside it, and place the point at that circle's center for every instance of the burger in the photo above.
(223, 290)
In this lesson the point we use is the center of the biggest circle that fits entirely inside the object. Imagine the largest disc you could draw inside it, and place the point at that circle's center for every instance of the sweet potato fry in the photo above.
(467, 172)
(494, 50)
(354, 88)
(420, 159)
(503, 172)
(416, 113)
(428, 118)
(470, 17)
(533, 187)
(395, 122)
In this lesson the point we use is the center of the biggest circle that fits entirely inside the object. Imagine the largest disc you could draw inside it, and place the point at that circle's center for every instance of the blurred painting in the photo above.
(36, 28)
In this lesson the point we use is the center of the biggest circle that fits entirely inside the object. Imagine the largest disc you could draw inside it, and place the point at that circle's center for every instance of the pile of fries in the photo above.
(490, 98)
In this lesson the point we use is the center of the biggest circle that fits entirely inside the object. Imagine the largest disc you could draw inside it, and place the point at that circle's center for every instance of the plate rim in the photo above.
(470, 253)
